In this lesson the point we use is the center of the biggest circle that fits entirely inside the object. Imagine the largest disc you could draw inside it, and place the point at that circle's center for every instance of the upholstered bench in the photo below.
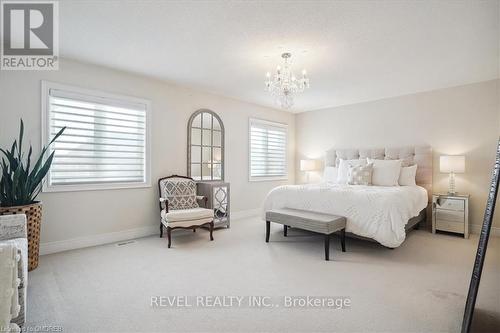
(317, 222)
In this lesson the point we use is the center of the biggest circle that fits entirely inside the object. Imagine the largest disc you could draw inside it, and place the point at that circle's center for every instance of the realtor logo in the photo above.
(30, 33)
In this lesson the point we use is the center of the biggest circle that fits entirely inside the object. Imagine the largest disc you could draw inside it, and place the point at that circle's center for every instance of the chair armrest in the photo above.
(202, 200)
(12, 226)
(164, 204)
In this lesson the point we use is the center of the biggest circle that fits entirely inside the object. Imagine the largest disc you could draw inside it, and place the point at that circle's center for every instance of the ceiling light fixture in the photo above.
(284, 84)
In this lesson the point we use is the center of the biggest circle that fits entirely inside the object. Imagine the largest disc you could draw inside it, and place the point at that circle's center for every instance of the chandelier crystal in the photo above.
(283, 85)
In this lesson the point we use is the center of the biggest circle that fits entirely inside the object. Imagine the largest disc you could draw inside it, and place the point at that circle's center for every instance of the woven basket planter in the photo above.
(33, 214)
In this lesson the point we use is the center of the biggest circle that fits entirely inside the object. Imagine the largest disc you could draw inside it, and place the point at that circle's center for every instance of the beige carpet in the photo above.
(418, 287)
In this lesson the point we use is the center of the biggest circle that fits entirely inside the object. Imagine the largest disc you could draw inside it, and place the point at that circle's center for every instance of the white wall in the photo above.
(459, 120)
(72, 215)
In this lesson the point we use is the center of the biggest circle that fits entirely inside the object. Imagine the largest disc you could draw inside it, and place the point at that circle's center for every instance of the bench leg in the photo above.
(268, 230)
(327, 247)
(342, 239)
(285, 230)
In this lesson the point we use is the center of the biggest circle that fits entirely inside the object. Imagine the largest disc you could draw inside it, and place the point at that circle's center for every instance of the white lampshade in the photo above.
(309, 165)
(449, 163)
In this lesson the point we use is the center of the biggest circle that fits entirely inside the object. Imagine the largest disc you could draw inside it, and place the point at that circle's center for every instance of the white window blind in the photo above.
(105, 142)
(268, 150)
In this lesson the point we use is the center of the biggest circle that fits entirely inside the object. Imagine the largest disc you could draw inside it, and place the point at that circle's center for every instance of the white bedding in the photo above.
(376, 212)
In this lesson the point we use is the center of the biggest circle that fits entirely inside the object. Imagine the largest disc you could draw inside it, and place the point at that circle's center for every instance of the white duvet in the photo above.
(376, 212)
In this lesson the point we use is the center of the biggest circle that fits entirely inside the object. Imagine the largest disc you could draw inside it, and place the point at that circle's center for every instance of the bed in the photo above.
(380, 213)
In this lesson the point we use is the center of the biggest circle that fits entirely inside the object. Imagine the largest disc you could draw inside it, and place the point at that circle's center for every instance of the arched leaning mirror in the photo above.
(205, 146)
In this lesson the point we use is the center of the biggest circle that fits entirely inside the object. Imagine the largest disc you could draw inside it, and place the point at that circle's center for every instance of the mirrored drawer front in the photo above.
(450, 226)
(451, 204)
(449, 215)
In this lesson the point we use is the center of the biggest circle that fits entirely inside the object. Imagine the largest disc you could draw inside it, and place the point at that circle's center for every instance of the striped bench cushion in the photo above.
(311, 221)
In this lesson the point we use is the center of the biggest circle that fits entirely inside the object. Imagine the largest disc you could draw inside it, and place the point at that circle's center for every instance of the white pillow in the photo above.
(344, 166)
(330, 174)
(385, 172)
(408, 175)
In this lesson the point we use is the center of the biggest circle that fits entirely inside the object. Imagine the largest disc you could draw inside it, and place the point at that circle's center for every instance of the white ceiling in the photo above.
(354, 51)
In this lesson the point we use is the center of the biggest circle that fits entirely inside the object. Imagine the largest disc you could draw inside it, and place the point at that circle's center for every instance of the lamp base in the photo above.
(451, 184)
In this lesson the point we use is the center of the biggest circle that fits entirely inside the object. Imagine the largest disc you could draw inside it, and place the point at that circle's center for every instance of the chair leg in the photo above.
(211, 226)
(342, 239)
(169, 236)
(285, 230)
(268, 230)
(161, 230)
(327, 247)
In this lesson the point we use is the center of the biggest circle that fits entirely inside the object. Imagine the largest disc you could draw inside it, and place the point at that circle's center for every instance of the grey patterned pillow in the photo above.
(360, 174)
(180, 193)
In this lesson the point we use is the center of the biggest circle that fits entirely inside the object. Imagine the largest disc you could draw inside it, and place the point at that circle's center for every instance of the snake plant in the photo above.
(20, 181)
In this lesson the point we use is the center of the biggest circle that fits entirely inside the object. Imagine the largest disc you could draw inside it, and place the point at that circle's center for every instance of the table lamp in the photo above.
(308, 166)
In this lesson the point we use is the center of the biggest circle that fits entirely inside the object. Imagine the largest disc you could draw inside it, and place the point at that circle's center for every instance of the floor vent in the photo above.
(126, 243)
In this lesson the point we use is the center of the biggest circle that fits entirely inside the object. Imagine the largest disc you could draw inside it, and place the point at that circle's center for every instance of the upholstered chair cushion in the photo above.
(180, 193)
(187, 214)
(187, 217)
(187, 224)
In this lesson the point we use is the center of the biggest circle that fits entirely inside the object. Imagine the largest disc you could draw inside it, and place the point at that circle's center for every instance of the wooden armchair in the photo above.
(179, 206)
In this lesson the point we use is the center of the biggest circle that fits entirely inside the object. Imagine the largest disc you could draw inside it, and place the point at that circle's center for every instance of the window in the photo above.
(268, 150)
(106, 141)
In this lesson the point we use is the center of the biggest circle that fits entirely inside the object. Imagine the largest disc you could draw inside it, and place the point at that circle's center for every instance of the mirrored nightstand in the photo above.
(217, 194)
(450, 213)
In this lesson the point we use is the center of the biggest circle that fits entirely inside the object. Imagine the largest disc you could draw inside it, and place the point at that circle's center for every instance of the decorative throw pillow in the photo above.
(360, 174)
(330, 174)
(385, 172)
(180, 193)
(344, 166)
(408, 175)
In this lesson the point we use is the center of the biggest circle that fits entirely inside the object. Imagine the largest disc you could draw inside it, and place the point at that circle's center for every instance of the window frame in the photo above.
(99, 94)
(268, 123)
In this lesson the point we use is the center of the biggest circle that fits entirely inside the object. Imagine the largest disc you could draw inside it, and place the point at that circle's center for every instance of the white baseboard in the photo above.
(476, 229)
(113, 237)
(87, 241)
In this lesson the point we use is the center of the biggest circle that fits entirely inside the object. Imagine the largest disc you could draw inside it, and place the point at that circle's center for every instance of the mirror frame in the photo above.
(222, 130)
(482, 246)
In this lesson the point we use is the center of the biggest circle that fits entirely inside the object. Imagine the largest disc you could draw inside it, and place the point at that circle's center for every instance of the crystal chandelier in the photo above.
(284, 84)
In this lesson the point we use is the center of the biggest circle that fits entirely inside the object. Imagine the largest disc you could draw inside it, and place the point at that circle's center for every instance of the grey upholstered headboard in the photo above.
(420, 155)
